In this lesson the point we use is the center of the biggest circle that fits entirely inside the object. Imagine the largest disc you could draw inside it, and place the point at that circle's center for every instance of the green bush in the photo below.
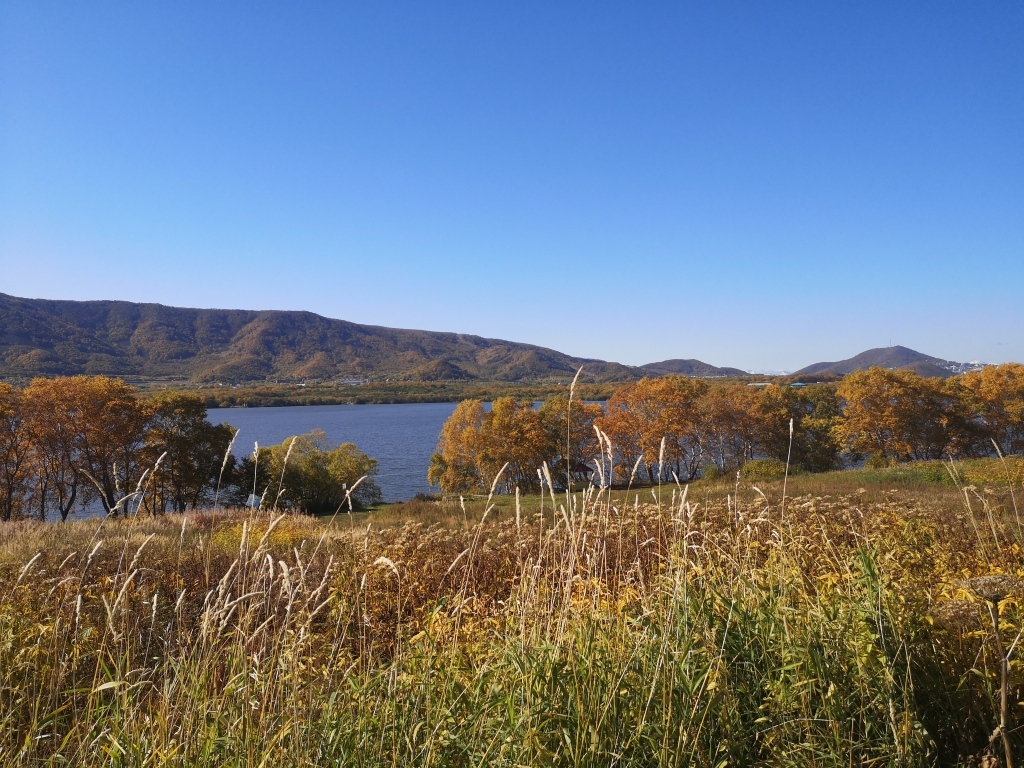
(764, 469)
(879, 460)
(711, 471)
(310, 474)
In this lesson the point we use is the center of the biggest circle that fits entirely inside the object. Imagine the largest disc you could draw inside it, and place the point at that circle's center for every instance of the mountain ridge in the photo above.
(45, 337)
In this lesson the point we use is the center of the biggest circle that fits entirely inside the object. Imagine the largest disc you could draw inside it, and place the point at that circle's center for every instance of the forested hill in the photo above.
(689, 368)
(40, 337)
(890, 357)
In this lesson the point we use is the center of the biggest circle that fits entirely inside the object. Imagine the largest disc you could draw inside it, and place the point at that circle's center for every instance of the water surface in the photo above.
(400, 437)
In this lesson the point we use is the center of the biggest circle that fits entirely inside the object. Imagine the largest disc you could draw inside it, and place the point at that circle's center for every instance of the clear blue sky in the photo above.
(762, 185)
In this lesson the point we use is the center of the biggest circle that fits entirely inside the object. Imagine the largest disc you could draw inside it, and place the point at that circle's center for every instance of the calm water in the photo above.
(400, 437)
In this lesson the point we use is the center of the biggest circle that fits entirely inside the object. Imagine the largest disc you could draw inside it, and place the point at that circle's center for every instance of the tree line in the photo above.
(71, 442)
(691, 428)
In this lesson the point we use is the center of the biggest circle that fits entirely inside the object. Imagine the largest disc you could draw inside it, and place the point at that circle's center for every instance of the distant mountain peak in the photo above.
(895, 357)
(695, 368)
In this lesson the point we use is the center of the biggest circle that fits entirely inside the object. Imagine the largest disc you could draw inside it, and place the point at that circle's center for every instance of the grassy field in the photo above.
(720, 625)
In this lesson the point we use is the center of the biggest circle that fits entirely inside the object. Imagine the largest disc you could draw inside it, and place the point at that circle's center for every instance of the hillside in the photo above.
(45, 338)
(887, 357)
(41, 337)
(690, 368)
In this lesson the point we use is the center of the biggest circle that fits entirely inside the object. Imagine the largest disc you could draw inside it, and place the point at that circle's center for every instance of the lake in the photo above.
(400, 437)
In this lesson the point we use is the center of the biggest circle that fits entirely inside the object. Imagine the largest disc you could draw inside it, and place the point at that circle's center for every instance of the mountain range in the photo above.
(40, 337)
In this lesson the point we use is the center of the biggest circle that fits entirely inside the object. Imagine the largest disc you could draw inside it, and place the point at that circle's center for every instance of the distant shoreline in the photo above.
(385, 393)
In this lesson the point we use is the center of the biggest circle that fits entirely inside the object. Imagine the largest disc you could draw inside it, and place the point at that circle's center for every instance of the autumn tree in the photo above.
(112, 422)
(996, 395)
(453, 465)
(723, 424)
(475, 444)
(965, 434)
(900, 416)
(814, 411)
(669, 408)
(86, 434)
(732, 412)
(572, 441)
(51, 421)
(621, 423)
(15, 469)
(193, 451)
(680, 417)
(512, 434)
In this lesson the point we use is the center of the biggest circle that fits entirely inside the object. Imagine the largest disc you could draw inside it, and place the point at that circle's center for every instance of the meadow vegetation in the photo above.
(720, 624)
(762, 617)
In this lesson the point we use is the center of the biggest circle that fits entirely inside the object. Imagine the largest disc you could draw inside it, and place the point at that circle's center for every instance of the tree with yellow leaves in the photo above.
(476, 443)
(572, 441)
(513, 435)
(813, 410)
(86, 433)
(901, 416)
(453, 466)
(996, 394)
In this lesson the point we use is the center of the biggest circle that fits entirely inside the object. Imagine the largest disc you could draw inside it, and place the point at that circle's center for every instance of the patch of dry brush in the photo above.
(601, 630)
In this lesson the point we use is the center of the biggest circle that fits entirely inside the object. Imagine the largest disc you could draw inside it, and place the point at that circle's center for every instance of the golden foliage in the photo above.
(903, 416)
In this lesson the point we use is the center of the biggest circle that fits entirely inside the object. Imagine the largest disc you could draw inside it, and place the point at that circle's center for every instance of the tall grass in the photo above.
(654, 628)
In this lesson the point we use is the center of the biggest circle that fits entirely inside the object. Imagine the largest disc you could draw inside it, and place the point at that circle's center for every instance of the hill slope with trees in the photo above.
(120, 338)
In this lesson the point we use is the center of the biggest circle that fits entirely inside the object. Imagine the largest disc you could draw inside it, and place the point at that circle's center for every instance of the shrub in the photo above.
(309, 473)
(711, 471)
(879, 460)
(764, 469)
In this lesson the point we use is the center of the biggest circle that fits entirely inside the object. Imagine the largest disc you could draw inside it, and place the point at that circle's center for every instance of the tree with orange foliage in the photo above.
(572, 442)
(732, 413)
(453, 466)
(475, 444)
(87, 437)
(51, 421)
(674, 407)
(996, 395)
(622, 426)
(900, 416)
(669, 408)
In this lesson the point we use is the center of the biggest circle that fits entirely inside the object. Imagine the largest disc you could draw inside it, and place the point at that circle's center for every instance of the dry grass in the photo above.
(653, 628)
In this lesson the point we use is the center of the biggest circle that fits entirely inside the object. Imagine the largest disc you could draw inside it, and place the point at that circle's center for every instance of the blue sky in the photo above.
(761, 185)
